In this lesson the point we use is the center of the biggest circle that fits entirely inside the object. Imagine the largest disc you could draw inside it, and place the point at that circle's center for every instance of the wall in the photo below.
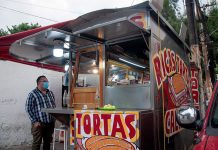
(16, 81)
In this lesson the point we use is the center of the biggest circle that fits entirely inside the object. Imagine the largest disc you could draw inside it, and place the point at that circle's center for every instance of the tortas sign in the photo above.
(106, 129)
(173, 75)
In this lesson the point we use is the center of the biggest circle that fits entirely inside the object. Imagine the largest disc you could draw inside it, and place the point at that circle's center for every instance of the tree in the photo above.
(22, 27)
(171, 13)
(18, 28)
(3, 32)
(212, 24)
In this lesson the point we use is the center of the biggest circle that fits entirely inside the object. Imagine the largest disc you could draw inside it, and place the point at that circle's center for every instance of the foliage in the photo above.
(18, 28)
(171, 13)
(212, 25)
(216, 69)
(22, 27)
(3, 32)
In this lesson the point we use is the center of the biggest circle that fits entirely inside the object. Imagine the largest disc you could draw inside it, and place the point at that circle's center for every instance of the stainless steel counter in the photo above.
(70, 111)
(59, 110)
(63, 113)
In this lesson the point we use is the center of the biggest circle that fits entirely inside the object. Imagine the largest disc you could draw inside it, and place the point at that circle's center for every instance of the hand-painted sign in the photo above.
(72, 130)
(95, 129)
(195, 86)
(141, 20)
(172, 74)
(171, 126)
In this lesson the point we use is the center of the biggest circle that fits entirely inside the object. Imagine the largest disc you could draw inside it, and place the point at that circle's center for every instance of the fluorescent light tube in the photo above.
(132, 63)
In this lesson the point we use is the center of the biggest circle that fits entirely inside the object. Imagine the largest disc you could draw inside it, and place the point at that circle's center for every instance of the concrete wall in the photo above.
(16, 81)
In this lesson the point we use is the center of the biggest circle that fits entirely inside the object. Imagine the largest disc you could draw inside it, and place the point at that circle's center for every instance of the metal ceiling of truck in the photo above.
(39, 47)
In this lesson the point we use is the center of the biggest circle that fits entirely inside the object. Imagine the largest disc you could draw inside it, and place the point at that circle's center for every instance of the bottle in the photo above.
(65, 98)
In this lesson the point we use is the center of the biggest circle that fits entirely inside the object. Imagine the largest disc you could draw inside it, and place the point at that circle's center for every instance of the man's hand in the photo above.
(36, 125)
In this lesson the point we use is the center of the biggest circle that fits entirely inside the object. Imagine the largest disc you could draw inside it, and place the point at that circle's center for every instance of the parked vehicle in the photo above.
(207, 135)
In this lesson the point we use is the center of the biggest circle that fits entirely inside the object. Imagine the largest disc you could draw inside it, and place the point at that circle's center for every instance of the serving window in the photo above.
(128, 64)
(128, 75)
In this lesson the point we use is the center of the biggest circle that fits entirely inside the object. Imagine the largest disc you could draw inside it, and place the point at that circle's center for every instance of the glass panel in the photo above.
(128, 63)
(122, 74)
(88, 75)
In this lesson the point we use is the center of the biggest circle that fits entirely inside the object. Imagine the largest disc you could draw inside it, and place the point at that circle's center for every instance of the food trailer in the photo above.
(129, 58)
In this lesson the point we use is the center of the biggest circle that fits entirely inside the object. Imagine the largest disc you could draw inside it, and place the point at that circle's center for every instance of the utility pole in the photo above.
(196, 57)
(191, 22)
(207, 54)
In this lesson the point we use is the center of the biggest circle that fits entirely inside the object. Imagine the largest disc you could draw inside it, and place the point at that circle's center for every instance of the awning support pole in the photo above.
(70, 76)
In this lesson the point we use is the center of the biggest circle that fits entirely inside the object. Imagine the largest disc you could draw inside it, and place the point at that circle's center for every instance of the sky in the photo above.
(46, 12)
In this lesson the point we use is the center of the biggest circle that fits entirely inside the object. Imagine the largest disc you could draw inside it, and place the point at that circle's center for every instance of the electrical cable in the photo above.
(132, 2)
(28, 14)
(36, 5)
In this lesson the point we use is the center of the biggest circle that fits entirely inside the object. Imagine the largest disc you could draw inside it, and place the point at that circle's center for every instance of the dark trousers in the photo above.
(44, 132)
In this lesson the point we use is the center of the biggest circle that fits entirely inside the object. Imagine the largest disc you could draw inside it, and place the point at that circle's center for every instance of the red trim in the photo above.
(212, 99)
(203, 136)
(6, 41)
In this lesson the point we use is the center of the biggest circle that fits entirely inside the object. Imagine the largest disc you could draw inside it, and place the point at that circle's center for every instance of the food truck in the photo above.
(129, 59)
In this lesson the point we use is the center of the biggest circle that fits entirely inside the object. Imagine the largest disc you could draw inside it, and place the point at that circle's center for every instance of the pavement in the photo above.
(58, 146)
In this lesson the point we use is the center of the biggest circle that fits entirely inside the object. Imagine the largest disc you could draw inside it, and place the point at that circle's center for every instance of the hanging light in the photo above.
(95, 71)
(58, 52)
(58, 48)
(66, 67)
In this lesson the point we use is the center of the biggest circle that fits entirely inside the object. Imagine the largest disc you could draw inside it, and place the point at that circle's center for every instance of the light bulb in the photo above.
(95, 71)
(57, 52)
(66, 67)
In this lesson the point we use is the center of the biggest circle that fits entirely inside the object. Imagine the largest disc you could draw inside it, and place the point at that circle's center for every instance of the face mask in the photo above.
(45, 85)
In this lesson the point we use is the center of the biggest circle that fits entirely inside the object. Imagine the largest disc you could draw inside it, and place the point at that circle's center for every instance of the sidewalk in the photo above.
(58, 146)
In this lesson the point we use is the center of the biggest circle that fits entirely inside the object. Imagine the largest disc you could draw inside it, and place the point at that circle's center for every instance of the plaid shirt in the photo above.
(36, 100)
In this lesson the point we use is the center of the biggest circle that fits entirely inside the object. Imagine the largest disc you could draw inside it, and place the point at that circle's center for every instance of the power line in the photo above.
(41, 6)
(28, 14)
(132, 2)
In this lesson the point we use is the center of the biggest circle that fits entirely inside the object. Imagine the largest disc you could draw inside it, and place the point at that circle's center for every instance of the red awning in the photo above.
(7, 41)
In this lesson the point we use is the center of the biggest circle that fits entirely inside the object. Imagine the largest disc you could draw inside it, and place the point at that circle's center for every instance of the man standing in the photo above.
(42, 123)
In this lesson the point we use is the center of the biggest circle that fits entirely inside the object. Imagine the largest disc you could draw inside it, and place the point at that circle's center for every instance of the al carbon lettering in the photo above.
(171, 126)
